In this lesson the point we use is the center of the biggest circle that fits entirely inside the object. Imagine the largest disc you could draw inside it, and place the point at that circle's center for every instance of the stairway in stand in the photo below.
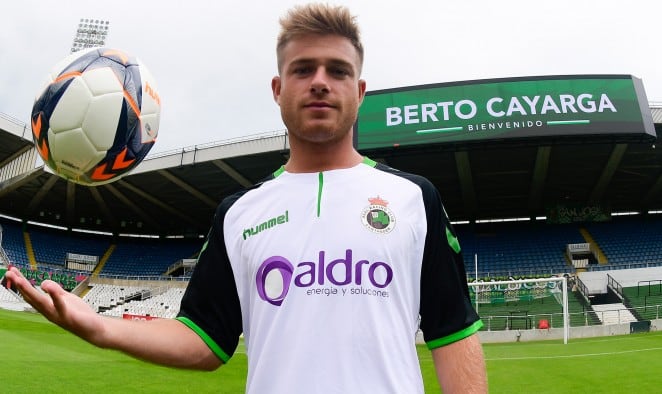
(613, 313)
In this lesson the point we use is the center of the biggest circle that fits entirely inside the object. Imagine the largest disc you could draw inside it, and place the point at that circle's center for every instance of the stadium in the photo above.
(553, 183)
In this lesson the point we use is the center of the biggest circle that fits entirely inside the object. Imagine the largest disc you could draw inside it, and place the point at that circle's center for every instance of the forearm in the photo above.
(162, 341)
(460, 366)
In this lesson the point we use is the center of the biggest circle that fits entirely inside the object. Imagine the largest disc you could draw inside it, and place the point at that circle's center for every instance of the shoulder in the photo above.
(420, 181)
(429, 193)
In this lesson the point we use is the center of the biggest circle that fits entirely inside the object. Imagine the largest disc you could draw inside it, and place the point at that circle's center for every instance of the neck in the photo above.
(312, 157)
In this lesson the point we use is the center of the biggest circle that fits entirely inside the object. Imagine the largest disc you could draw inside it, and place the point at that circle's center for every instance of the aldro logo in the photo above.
(346, 276)
(377, 217)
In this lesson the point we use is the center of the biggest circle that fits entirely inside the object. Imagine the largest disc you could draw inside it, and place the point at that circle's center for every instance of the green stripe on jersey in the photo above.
(447, 340)
(320, 185)
(206, 338)
(452, 241)
(279, 171)
(368, 161)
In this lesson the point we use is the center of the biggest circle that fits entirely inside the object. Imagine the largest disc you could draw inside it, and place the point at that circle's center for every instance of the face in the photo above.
(319, 90)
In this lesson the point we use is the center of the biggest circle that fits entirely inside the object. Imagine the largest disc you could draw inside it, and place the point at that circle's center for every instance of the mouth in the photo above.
(318, 105)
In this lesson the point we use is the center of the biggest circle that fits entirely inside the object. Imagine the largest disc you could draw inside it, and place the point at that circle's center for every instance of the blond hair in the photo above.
(322, 19)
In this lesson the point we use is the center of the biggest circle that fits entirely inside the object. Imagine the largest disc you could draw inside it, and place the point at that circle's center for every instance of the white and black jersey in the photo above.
(326, 275)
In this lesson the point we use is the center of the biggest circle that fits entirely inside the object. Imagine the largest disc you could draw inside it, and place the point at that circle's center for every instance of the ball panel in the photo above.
(102, 81)
(72, 151)
(71, 108)
(100, 121)
(75, 61)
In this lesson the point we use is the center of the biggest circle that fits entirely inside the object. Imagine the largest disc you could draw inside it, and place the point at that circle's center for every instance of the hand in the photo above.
(59, 306)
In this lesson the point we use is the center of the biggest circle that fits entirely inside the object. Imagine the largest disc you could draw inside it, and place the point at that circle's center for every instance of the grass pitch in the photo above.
(37, 356)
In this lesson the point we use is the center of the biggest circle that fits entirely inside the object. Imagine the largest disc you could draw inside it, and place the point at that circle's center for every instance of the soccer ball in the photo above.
(97, 116)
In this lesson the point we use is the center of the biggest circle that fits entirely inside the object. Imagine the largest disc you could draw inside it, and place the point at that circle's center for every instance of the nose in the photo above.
(319, 83)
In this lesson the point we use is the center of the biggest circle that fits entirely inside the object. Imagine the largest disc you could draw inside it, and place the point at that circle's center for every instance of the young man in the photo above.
(324, 267)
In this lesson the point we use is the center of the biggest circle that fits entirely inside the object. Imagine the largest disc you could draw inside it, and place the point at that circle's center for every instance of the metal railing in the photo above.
(518, 272)
(577, 319)
(54, 270)
(649, 285)
(613, 283)
(583, 289)
(236, 140)
(609, 267)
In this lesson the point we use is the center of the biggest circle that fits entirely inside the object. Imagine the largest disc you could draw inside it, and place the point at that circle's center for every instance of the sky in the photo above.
(213, 60)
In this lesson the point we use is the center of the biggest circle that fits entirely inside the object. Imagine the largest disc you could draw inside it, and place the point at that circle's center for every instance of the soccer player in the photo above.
(325, 266)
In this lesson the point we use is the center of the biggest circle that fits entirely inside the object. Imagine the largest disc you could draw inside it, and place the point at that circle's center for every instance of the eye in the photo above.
(339, 71)
(302, 70)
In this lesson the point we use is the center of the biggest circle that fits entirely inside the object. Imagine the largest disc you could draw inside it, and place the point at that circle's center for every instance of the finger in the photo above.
(51, 287)
(19, 281)
(13, 273)
(56, 292)
(32, 296)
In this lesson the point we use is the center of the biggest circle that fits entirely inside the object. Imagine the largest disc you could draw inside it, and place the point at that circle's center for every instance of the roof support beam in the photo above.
(70, 204)
(193, 191)
(613, 162)
(539, 176)
(159, 203)
(654, 191)
(466, 182)
(145, 217)
(232, 173)
(39, 196)
(103, 207)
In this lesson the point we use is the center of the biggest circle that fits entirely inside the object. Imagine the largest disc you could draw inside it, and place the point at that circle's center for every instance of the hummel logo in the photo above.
(284, 218)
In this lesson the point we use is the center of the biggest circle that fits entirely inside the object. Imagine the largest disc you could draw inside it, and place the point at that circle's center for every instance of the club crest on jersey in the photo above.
(377, 217)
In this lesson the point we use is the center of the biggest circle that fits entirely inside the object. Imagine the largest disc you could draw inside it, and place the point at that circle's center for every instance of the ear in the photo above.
(362, 87)
(275, 88)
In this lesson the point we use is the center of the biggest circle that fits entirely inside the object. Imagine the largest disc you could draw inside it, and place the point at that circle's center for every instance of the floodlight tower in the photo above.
(90, 33)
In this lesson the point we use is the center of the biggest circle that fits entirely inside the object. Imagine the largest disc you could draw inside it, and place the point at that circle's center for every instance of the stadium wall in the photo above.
(102, 280)
(557, 333)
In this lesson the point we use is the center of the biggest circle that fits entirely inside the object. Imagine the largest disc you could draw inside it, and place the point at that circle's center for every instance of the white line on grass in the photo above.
(573, 355)
(585, 341)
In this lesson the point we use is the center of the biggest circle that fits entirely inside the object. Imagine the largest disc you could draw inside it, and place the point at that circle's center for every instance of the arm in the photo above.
(162, 341)
(460, 366)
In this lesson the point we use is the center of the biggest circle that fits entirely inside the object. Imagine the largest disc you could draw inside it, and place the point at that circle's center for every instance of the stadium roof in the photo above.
(176, 193)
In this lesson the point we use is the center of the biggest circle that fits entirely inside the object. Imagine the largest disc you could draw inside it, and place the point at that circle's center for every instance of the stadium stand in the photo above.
(10, 301)
(148, 257)
(633, 241)
(645, 299)
(51, 246)
(131, 257)
(164, 305)
(12, 242)
(614, 313)
(117, 300)
(517, 248)
(4, 259)
(104, 297)
(529, 313)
